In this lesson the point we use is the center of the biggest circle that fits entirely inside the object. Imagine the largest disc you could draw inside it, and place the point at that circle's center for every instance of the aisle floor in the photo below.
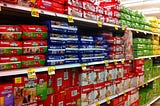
(156, 103)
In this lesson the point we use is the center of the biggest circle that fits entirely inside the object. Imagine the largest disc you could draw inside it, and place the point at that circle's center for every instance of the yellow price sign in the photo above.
(106, 63)
(70, 19)
(124, 93)
(139, 83)
(124, 28)
(97, 103)
(130, 61)
(99, 23)
(33, 1)
(146, 83)
(137, 31)
(115, 62)
(51, 70)
(18, 80)
(83, 66)
(34, 12)
(122, 61)
(108, 100)
(116, 27)
(31, 74)
(143, 86)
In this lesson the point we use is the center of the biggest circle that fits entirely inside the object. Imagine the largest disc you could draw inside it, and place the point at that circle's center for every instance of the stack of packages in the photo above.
(142, 47)
(63, 43)
(133, 19)
(130, 99)
(116, 46)
(156, 45)
(148, 69)
(149, 92)
(28, 51)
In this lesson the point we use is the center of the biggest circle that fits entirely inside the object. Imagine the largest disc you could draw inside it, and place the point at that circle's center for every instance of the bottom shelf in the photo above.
(152, 101)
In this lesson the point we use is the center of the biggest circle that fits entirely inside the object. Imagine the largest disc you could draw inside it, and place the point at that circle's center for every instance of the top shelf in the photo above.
(82, 21)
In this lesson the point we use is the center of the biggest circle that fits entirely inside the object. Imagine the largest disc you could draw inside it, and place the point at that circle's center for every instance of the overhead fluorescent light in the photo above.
(139, 2)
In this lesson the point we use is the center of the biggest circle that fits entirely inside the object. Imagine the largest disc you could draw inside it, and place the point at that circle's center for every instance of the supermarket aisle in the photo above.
(156, 103)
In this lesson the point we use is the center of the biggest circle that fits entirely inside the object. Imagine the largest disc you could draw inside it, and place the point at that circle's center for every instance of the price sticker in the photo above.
(116, 27)
(70, 19)
(83, 66)
(31, 74)
(97, 103)
(115, 62)
(18, 80)
(150, 58)
(106, 63)
(147, 83)
(51, 70)
(108, 100)
(137, 31)
(124, 28)
(99, 23)
(124, 93)
(122, 61)
(34, 12)
(139, 83)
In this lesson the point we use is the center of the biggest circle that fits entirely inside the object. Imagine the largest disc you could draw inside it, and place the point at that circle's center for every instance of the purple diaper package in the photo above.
(71, 58)
(56, 49)
(55, 60)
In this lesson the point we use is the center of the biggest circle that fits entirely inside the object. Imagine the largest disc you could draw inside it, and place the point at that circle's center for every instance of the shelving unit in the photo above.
(153, 101)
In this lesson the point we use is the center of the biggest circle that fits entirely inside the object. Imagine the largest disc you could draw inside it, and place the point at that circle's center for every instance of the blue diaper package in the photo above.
(86, 48)
(72, 48)
(106, 54)
(99, 57)
(86, 39)
(99, 40)
(107, 47)
(99, 49)
(71, 38)
(60, 27)
(56, 49)
(85, 58)
(71, 58)
(56, 38)
(55, 60)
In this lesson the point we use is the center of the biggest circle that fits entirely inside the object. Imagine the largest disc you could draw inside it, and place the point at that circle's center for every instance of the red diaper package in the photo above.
(100, 18)
(75, 77)
(50, 6)
(89, 6)
(11, 1)
(67, 78)
(99, 10)
(10, 32)
(10, 62)
(73, 11)
(89, 15)
(33, 61)
(73, 96)
(75, 3)
(91, 1)
(59, 99)
(99, 74)
(59, 1)
(10, 48)
(34, 32)
(50, 84)
(34, 47)
(27, 3)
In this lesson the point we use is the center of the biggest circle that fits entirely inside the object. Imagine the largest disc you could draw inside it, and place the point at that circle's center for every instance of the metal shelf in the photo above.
(153, 101)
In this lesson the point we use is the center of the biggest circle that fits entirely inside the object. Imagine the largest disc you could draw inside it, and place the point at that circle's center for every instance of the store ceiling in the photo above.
(148, 7)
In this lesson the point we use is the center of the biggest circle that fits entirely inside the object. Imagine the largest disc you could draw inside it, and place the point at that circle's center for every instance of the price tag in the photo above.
(115, 62)
(122, 61)
(137, 31)
(138, 88)
(33, 1)
(124, 93)
(97, 103)
(116, 27)
(147, 83)
(143, 86)
(130, 61)
(70, 19)
(34, 12)
(150, 58)
(124, 28)
(51, 70)
(83, 66)
(99, 23)
(139, 83)
(18, 80)
(155, 78)
(0, 8)
(130, 84)
(31, 74)
(108, 100)
(106, 63)
(148, 105)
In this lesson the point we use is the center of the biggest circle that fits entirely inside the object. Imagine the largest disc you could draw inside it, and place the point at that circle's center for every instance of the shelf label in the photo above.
(137, 31)
(116, 27)
(70, 19)
(139, 83)
(97, 103)
(83, 66)
(34, 12)
(147, 83)
(115, 62)
(51, 70)
(99, 23)
(122, 61)
(124, 93)
(143, 86)
(31, 74)
(108, 100)
(18, 80)
(130, 61)
(124, 28)
(150, 58)
(106, 63)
